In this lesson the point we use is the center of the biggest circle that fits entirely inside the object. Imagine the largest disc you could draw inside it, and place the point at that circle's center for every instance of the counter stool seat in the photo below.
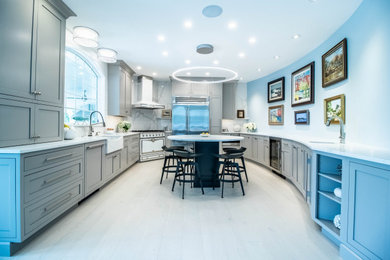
(239, 150)
(229, 168)
(170, 160)
(187, 167)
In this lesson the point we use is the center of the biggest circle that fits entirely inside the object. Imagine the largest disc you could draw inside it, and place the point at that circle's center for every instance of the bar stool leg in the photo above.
(223, 178)
(177, 171)
(200, 179)
(243, 164)
(239, 176)
(163, 170)
(184, 181)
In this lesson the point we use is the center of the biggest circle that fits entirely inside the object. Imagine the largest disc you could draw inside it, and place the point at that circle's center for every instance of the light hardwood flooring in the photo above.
(134, 217)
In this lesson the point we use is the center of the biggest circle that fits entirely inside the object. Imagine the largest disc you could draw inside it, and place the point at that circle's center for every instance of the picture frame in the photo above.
(302, 117)
(302, 85)
(240, 113)
(334, 106)
(276, 90)
(335, 64)
(166, 113)
(276, 115)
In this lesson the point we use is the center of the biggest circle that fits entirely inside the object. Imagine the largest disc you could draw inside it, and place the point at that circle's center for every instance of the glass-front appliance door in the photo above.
(179, 119)
(198, 119)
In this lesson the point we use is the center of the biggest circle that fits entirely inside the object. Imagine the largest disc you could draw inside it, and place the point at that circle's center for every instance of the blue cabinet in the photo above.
(369, 211)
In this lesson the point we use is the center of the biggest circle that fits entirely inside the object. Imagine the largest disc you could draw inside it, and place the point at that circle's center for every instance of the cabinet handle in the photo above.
(36, 93)
(48, 181)
(56, 204)
(94, 146)
(35, 137)
(58, 157)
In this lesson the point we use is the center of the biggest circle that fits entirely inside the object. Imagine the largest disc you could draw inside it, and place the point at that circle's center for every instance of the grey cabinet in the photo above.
(266, 161)
(255, 147)
(16, 18)
(113, 165)
(27, 123)
(229, 100)
(215, 114)
(119, 89)
(247, 143)
(301, 158)
(49, 46)
(94, 165)
(286, 159)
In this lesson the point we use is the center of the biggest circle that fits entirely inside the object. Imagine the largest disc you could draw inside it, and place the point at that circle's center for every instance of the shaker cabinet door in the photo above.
(16, 19)
(93, 167)
(49, 123)
(49, 54)
(17, 123)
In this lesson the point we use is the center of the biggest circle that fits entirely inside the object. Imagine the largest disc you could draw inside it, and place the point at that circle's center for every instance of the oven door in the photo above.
(152, 145)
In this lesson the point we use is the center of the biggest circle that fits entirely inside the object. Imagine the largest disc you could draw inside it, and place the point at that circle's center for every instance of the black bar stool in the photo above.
(170, 160)
(240, 150)
(187, 167)
(229, 168)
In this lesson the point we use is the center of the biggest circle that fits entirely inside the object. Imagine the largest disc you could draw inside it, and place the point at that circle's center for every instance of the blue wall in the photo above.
(367, 89)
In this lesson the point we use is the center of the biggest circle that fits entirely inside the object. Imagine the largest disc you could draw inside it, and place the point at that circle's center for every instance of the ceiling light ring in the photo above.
(235, 75)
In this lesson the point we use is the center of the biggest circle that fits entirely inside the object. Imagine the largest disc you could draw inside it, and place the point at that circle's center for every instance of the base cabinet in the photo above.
(94, 165)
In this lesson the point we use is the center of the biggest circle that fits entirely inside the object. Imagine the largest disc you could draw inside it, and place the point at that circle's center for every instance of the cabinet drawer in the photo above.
(46, 210)
(51, 157)
(37, 184)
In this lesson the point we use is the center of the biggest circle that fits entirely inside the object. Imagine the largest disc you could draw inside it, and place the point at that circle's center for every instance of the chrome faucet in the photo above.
(90, 122)
(341, 122)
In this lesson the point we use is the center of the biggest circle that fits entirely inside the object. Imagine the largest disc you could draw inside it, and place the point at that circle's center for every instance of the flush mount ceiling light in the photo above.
(204, 49)
(107, 55)
(85, 36)
(221, 74)
(212, 11)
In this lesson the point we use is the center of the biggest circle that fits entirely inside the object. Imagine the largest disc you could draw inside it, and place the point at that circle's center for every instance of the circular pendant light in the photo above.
(204, 75)
(107, 55)
(85, 36)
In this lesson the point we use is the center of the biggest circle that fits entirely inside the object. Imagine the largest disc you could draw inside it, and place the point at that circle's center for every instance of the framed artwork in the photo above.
(334, 64)
(276, 115)
(302, 86)
(240, 114)
(334, 106)
(276, 90)
(302, 117)
(166, 113)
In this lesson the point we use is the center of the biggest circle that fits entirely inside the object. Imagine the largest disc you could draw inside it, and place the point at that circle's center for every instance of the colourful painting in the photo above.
(334, 106)
(276, 90)
(302, 86)
(334, 64)
(276, 115)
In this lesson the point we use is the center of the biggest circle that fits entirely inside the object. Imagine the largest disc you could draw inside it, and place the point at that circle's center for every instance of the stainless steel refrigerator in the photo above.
(190, 115)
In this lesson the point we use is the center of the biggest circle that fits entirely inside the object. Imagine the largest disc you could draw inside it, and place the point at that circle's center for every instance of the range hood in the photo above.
(144, 94)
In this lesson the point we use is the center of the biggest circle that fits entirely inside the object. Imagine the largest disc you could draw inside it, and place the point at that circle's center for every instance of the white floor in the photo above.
(135, 217)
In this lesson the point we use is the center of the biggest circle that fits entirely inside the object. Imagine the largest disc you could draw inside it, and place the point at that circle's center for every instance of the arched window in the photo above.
(81, 88)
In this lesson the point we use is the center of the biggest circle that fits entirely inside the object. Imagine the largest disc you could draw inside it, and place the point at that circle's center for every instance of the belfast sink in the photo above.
(113, 143)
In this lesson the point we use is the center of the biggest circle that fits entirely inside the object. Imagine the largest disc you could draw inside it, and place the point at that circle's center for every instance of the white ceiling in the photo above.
(131, 27)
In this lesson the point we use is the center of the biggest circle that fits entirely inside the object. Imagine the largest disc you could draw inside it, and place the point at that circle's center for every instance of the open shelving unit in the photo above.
(328, 205)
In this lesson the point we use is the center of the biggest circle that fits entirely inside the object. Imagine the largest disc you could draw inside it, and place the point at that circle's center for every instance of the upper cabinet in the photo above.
(229, 100)
(33, 46)
(120, 84)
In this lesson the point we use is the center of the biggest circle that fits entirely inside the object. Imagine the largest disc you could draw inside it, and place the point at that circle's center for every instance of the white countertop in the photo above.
(199, 138)
(352, 150)
(46, 146)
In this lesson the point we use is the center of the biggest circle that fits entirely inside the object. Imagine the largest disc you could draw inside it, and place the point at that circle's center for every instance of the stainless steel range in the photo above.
(150, 145)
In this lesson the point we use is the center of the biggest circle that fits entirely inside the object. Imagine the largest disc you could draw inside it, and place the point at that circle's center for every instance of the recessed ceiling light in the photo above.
(139, 68)
(296, 36)
(188, 73)
(164, 53)
(232, 25)
(276, 57)
(161, 38)
(216, 62)
(187, 61)
(252, 40)
(259, 69)
(241, 55)
(188, 24)
(212, 11)
(207, 73)
(154, 73)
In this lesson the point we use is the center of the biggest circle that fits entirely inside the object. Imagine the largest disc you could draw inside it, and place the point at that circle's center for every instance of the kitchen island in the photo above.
(208, 146)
